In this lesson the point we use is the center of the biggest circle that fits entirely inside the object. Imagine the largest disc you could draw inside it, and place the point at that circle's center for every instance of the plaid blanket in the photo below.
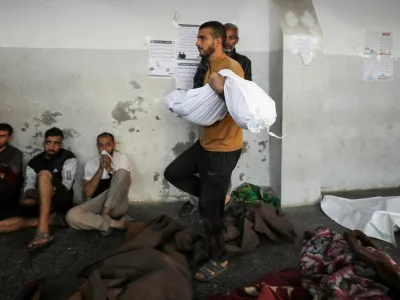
(331, 270)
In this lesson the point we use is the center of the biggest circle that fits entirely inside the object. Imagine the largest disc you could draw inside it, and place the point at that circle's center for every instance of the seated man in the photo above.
(107, 182)
(48, 188)
(10, 173)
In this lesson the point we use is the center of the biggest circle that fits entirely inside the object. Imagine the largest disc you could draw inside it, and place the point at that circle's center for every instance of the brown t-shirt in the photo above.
(224, 135)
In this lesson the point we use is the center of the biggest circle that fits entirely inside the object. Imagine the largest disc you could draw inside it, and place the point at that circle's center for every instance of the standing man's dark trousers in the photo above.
(215, 170)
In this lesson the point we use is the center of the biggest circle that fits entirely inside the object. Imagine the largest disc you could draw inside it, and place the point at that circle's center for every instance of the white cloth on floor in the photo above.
(249, 105)
(200, 106)
(377, 217)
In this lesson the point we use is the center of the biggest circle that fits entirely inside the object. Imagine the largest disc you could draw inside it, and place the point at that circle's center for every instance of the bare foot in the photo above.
(227, 199)
(42, 238)
(118, 224)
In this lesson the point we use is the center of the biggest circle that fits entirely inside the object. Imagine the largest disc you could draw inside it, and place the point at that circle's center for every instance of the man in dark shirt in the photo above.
(10, 172)
(232, 39)
(48, 188)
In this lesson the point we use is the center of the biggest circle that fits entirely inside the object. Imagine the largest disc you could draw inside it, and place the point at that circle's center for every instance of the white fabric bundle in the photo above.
(250, 107)
(201, 106)
(248, 104)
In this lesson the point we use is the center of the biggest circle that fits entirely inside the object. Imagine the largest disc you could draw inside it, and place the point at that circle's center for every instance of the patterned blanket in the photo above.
(331, 270)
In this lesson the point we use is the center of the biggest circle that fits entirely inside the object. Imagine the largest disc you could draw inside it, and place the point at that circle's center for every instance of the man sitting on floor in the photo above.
(10, 173)
(107, 179)
(48, 188)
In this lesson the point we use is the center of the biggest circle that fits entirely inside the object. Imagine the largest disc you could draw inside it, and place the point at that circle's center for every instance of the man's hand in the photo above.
(217, 82)
(3, 175)
(106, 163)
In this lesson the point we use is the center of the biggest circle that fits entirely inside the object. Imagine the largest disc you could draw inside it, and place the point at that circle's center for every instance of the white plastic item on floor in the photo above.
(200, 106)
(248, 104)
(377, 217)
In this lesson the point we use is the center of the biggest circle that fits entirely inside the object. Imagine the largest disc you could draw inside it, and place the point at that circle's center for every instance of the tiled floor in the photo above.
(72, 250)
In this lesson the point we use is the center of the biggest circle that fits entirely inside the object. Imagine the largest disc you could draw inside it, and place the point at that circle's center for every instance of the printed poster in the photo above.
(162, 60)
(187, 38)
(378, 56)
(184, 75)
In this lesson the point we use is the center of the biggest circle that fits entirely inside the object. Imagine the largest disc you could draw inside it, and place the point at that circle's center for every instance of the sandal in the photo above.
(210, 270)
(41, 239)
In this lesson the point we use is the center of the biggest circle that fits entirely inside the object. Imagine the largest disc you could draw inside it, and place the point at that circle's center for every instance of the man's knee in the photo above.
(74, 217)
(123, 177)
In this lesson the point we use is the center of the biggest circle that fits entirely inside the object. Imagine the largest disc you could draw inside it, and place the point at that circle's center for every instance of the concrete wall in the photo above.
(301, 103)
(361, 127)
(341, 132)
(82, 66)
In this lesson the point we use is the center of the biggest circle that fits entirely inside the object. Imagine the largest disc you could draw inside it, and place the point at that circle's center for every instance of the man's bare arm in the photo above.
(89, 187)
(217, 82)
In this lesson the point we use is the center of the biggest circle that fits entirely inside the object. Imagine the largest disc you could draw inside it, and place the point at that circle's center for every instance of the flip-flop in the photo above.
(208, 269)
(40, 236)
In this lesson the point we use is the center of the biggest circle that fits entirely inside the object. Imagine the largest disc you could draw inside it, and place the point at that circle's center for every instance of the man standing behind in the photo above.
(232, 39)
(107, 182)
(10, 172)
(214, 157)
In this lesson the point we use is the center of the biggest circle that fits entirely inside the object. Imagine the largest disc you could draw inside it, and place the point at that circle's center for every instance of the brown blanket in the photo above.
(158, 258)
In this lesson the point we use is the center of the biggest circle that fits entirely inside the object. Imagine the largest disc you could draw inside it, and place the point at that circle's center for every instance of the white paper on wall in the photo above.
(184, 75)
(187, 38)
(162, 62)
(378, 56)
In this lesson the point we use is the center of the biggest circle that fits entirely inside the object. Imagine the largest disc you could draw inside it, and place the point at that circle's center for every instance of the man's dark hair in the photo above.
(6, 127)
(218, 30)
(105, 134)
(54, 132)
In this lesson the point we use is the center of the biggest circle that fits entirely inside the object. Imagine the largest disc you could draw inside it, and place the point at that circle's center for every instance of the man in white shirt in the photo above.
(107, 179)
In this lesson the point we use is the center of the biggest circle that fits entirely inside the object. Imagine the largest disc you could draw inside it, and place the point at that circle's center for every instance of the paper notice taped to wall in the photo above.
(187, 38)
(162, 60)
(378, 56)
(184, 75)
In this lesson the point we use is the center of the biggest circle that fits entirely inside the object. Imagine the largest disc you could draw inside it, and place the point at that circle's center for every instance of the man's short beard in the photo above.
(210, 51)
(50, 155)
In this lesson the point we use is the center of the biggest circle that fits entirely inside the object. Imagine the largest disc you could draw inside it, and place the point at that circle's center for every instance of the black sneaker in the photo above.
(187, 209)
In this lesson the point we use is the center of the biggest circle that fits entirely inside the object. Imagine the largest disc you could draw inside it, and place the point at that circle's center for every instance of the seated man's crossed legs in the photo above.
(107, 210)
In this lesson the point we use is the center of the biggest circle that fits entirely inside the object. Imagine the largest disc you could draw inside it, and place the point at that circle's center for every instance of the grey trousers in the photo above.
(87, 216)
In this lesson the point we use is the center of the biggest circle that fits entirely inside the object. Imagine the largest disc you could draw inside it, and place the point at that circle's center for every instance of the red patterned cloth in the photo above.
(331, 270)
(280, 285)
